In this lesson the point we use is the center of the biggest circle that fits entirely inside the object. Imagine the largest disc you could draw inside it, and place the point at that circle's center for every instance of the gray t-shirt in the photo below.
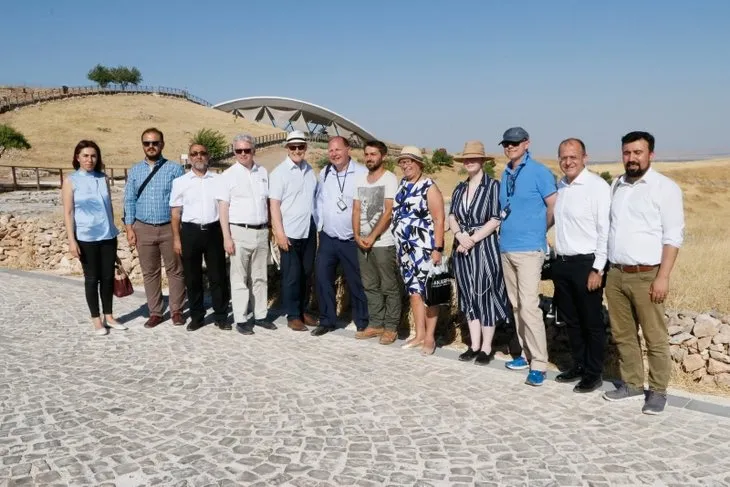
(372, 198)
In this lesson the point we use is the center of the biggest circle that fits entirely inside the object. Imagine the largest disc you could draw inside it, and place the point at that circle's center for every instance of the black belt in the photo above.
(260, 226)
(572, 258)
(203, 227)
(154, 224)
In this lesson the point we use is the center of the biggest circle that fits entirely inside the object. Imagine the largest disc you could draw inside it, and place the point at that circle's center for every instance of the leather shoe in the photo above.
(588, 384)
(310, 320)
(322, 330)
(483, 358)
(195, 325)
(468, 355)
(244, 328)
(177, 318)
(265, 324)
(153, 321)
(223, 325)
(571, 375)
(297, 325)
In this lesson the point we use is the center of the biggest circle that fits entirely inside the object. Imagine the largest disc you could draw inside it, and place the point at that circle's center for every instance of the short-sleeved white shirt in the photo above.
(245, 190)
(372, 198)
(295, 186)
(196, 195)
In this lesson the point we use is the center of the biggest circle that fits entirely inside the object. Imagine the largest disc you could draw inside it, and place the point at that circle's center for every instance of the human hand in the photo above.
(229, 246)
(177, 246)
(131, 237)
(659, 289)
(465, 240)
(282, 242)
(436, 257)
(74, 248)
(594, 281)
(461, 249)
(367, 242)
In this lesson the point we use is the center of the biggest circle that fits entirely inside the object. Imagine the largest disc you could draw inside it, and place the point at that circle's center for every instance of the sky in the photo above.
(432, 74)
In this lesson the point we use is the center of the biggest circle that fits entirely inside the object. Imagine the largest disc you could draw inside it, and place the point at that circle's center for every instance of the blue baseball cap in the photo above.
(514, 134)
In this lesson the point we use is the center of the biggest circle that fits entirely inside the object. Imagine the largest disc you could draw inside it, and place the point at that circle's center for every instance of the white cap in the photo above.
(296, 136)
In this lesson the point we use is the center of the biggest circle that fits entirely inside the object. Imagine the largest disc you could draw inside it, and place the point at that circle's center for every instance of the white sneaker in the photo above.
(116, 326)
(101, 331)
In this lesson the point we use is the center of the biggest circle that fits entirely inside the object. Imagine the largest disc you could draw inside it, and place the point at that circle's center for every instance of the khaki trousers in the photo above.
(522, 277)
(629, 306)
(249, 277)
(154, 242)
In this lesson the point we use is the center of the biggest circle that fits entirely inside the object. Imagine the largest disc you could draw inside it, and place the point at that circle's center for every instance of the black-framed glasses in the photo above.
(509, 143)
(242, 151)
(151, 143)
(297, 147)
(199, 153)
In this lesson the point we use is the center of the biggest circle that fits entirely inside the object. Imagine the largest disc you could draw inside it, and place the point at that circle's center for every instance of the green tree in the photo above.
(100, 75)
(606, 176)
(213, 140)
(488, 167)
(442, 158)
(125, 76)
(11, 139)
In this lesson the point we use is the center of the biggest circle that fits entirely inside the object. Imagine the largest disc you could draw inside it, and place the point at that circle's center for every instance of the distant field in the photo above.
(115, 122)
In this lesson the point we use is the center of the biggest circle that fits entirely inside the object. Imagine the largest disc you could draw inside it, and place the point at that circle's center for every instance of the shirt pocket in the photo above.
(263, 187)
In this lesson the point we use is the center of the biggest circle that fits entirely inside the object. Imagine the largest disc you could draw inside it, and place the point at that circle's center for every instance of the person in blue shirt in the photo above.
(527, 195)
(147, 219)
(92, 235)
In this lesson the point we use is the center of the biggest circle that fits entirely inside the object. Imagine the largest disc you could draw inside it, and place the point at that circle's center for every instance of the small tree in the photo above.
(100, 75)
(11, 139)
(442, 158)
(213, 140)
(606, 176)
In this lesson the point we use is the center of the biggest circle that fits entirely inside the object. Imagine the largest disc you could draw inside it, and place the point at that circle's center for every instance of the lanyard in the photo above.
(344, 180)
(512, 181)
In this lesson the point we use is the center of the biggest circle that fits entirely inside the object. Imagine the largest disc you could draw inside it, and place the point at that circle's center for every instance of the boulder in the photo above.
(682, 321)
(693, 362)
(678, 353)
(681, 338)
(716, 347)
(724, 329)
(699, 374)
(703, 343)
(722, 338)
(722, 380)
(720, 357)
(705, 325)
(675, 329)
(715, 367)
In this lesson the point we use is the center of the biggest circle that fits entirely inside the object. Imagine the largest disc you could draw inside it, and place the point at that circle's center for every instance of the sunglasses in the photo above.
(200, 153)
(512, 144)
(153, 143)
(243, 151)
(297, 147)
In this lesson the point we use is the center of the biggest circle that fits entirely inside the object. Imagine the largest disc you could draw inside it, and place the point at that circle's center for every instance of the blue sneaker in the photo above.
(517, 364)
(535, 378)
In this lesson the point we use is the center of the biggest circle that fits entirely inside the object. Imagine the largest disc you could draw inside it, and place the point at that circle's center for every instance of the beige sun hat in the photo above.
(411, 152)
(473, 149)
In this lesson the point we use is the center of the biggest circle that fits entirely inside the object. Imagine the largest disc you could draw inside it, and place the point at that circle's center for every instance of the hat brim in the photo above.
(410, 156)
(462, 157)
(296, 141)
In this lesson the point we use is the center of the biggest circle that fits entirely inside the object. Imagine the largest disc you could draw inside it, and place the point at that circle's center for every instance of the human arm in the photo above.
(130, 207)
(277, 225)
(382, 224)
(176, 218)
(67, 194)
(550, 210)
(672, 214)
(548, 189)
(224, 216)
(435, 202)
(356, 223)
(601, 215)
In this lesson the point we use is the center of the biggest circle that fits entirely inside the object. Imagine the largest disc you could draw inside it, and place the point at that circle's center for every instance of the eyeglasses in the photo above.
(297, 147)
(509, 143)
(243, 151)
(200, 153)
(405, 162)
(153, 143)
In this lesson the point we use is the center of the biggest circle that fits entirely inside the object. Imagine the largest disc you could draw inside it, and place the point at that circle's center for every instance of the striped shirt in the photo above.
(153, 205)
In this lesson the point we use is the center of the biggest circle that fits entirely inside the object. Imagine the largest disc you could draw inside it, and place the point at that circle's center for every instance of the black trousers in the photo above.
(297, 265)
(97, 261)
(581, 311)
(200, 242)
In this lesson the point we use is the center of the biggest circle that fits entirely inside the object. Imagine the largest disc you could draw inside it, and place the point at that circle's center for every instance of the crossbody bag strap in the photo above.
(149, 178)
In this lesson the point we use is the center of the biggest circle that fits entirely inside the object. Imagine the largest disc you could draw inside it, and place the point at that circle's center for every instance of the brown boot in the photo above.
(310, 320)
(368, 332)
(388, 337)
(297, 325)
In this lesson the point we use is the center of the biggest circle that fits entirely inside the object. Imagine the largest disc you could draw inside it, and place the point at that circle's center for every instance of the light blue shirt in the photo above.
(334, 199)
(295, 186)
(522, 194)
(153, 206)
(93, 220)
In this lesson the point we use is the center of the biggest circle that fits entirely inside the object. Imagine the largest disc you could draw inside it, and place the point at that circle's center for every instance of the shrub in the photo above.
(429, 167)
(213, 140)
(11, 139)
(442, 158)
(606, 176)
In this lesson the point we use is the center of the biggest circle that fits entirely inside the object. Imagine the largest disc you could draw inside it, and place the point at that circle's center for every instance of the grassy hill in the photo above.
(115, 122)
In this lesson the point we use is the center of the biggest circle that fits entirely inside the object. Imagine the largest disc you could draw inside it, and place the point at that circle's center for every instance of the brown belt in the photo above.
(632, 269)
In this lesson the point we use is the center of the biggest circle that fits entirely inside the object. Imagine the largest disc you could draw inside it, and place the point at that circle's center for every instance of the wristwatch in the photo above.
(438, 249)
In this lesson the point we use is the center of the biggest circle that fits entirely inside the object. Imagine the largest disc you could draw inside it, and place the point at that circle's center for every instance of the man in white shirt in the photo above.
(196, 234)
(242, 192)
(372, 211)
(581, 239)
(646, 232)
(336, 238)
(292, 189)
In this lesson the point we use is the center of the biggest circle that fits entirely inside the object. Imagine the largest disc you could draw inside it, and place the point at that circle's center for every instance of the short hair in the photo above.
(639, 135)
(344, 140)
(153, 130)
(245, 138)
(84, 144)
(197, 143)
(573, 140)
(378, 145)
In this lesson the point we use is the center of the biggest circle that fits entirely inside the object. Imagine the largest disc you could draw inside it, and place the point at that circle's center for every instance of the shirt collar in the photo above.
(254, 167)
(294, 165)
(524, 162)
(159, 161)
(579, 179)
(86, 174)
(207, 175)
(646, 178)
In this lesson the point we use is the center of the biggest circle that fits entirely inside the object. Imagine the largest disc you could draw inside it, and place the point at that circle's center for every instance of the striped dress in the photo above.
(479, 277)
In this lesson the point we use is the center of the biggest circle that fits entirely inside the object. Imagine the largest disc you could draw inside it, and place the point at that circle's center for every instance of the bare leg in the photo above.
(487, 337)
(97, 323)
(419, 320)
(475, 332)
(429, 343)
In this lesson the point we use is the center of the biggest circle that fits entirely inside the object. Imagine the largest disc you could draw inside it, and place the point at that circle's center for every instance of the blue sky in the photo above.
(426, 73)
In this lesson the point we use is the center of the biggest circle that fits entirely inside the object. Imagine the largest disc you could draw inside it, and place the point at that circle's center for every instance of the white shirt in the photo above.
(645, 216)
(582, 213)
(334, 199)
(196, 195)
(294, 185)
(245, 190)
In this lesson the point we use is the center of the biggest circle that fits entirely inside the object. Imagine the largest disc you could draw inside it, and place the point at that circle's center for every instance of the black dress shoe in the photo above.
(588, 384)
(244, 328)
(571, 375)
(265, 324)
(468, 355)
(223, 325)
(321, 330)
(195, 325)
(483, 359)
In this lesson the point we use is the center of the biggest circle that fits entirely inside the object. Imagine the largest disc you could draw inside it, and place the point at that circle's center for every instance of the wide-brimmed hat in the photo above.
(473, 149)
(296, 137)
(411, 152)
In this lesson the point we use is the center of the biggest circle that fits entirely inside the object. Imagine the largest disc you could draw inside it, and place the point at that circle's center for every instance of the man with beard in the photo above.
(336, 237)
(147, 220)
(646, 231)
(199, 235)
(372, 209)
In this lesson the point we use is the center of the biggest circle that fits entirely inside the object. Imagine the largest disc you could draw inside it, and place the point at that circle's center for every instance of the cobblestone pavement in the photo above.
(170, 407)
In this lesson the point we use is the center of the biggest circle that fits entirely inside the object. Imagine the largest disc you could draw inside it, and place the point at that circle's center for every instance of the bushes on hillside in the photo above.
(121, 75)
(213, 140)
(11, 139)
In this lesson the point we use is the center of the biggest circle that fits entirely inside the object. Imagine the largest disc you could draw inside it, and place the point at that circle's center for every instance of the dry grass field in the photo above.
(115, 122)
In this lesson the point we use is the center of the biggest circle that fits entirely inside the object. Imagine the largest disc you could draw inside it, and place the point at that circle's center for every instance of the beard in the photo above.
(200, 166)
(635, 170)
(373, 166)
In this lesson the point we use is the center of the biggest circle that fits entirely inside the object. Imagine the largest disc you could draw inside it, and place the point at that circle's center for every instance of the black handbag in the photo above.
(439, 286)
(546, 274)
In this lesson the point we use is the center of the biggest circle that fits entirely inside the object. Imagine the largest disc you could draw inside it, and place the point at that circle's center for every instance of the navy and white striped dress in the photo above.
(479, 277)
